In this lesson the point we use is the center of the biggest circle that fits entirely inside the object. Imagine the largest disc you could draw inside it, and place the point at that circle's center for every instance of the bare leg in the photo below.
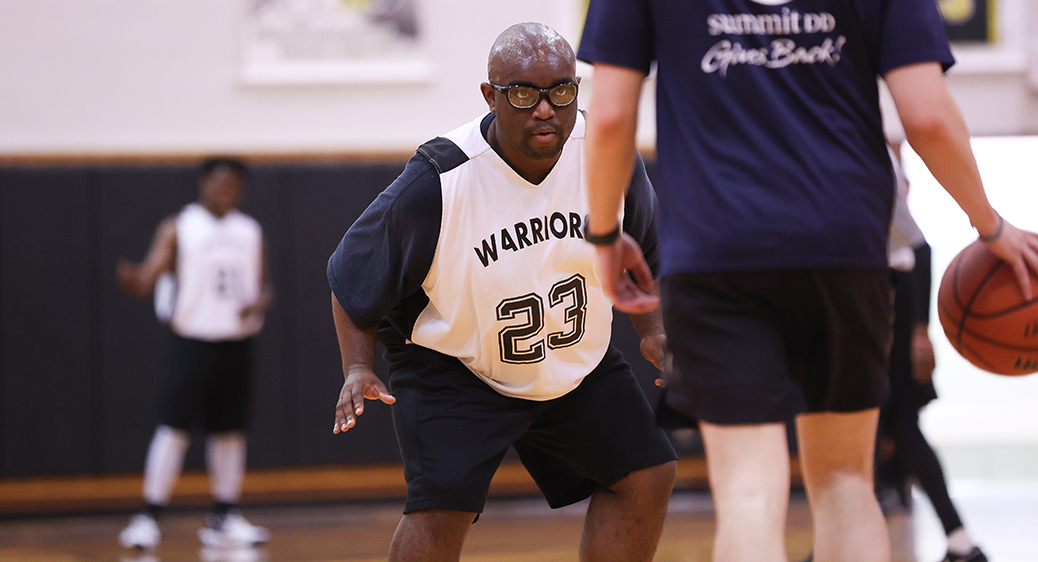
(748, 467)
(624, 523)
(430, 535)
(836, 456)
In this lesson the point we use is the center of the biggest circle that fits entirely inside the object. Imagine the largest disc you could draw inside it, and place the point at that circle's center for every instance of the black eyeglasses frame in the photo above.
(542, 93)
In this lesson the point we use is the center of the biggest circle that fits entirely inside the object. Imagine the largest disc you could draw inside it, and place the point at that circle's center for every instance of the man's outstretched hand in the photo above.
(618, 262)
(361, 384)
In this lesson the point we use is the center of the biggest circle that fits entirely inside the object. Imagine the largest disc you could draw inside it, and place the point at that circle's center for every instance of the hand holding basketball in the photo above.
(985, 314)
(1019, 249)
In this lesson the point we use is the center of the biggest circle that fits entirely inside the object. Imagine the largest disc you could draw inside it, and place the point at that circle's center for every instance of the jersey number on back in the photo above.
(514, 340)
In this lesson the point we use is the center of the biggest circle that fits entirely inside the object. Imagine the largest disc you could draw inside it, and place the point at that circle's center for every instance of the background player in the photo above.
(217, 256)
(903, 450)
(472, 270)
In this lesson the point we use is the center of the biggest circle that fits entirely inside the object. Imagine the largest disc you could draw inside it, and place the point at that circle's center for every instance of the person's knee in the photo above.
(442, 528)
(430, 534)
(440, 518)
(837, 444)
(652, 481)
(664, 474)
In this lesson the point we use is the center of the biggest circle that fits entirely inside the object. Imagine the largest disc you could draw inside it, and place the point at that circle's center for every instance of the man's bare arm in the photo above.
(138, 279)
(936, 130)
(653, 340)
(357, 347)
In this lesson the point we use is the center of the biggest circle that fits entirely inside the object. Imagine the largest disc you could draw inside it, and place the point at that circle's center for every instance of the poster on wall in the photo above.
(969, 21)
(332, 42)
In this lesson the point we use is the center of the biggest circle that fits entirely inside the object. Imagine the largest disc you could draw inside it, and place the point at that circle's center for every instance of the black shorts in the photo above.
(454, 430)
(760, 346)
(208, 385)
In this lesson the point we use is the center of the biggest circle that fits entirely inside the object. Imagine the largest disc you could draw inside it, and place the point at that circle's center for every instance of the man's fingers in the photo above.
(1019, 249)
(633, 260)
(640, 304)
(1023, 276)
(1030, 263)
(615, 262)
(643, 276)
(349, 407)
(346, 412)
(379, 393)
(343, 420)
(636, 302)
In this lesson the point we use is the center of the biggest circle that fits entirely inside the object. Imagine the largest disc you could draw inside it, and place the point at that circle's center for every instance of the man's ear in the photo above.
(488, 96)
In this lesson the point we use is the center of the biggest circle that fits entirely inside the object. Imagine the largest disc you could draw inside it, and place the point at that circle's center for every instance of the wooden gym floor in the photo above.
(332, 514)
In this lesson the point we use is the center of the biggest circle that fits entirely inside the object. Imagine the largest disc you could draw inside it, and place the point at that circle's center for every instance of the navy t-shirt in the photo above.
(771, 151)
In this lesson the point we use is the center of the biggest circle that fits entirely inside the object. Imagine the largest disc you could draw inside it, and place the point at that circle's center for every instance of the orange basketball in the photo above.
(984, 314)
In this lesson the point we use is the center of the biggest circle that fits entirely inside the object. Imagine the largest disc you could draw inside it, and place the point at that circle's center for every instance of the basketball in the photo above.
(984, 314)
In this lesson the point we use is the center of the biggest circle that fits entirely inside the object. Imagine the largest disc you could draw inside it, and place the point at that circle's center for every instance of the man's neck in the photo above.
(213, 211)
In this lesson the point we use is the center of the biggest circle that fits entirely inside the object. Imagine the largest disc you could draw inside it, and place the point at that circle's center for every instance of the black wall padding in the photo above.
(80, 361)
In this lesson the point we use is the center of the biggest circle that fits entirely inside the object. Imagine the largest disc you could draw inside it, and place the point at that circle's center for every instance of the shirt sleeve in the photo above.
(386, 254)
(640, 215)
(618, 32)
(913, 32)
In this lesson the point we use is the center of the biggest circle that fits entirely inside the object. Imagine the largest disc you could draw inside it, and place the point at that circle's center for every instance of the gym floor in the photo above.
(1002, 516)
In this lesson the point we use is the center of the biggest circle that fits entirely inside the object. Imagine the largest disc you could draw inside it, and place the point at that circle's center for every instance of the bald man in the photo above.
(472, 269)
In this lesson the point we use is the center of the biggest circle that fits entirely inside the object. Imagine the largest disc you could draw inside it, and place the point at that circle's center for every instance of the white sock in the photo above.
(959, 541)
(225, 458)
(164, 462)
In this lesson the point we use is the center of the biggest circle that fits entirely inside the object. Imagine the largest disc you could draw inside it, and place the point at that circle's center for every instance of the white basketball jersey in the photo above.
(513, 290)
(218, 270)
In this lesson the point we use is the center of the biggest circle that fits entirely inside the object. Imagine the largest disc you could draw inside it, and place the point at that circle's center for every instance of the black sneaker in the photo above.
(974, 555)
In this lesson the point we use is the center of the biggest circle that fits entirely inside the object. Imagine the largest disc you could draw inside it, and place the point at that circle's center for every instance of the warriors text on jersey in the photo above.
(464, 257)
(218, 272)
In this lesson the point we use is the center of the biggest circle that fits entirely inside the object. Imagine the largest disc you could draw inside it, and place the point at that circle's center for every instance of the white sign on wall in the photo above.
(332, 42)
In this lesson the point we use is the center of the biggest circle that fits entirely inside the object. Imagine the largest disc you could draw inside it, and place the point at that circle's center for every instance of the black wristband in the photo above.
(994, 235)
(601, 239)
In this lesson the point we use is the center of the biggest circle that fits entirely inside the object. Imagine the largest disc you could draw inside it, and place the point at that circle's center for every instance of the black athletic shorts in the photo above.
(760, 346)
(208, 385)
(454, 430)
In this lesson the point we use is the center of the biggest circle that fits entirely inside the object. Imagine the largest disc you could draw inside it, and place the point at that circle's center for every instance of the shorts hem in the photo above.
(646, 462)
(447, 505)
(735, 409)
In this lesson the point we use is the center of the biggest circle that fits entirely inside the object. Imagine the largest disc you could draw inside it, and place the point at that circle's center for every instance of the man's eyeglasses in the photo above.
(525, 97)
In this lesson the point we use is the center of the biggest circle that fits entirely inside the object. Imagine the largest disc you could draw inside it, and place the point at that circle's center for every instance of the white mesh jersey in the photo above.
(513, 290)
(218, 272)
(500, 278)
